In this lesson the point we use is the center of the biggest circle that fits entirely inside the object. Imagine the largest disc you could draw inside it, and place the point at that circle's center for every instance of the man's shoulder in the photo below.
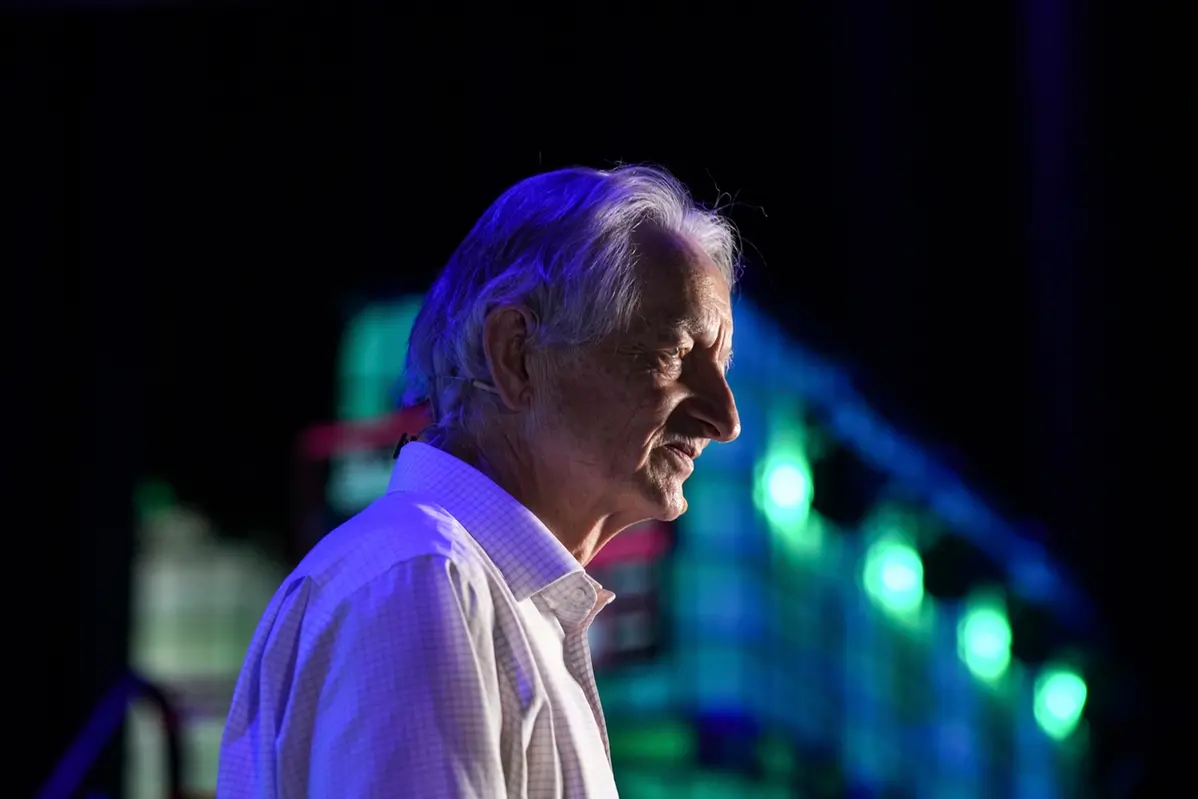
(397, 529)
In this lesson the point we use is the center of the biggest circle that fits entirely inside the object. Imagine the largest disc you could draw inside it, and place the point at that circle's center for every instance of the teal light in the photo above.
(984, 638)
(893, 575)
(782, 487)
(789, 486)
(371, 360)
(782, 492)
(1060, 697)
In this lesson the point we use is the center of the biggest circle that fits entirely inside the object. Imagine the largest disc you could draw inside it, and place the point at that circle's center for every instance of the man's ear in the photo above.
(506, 333)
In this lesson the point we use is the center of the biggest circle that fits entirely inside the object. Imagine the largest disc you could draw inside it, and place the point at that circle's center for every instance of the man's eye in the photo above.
(669, 361)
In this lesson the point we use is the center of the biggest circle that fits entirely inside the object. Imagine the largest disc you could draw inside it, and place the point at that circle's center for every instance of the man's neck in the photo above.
(576, 521)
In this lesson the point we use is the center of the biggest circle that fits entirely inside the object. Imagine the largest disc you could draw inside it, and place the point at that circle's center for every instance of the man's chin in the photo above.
(671, 507)
(674, 513)
(663, 499)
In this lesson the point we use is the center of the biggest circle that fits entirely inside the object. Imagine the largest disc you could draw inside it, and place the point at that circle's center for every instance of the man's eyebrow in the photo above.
(662, 327)
(689, 324)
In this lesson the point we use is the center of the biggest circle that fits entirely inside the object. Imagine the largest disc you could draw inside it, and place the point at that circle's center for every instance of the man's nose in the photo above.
(716, 409)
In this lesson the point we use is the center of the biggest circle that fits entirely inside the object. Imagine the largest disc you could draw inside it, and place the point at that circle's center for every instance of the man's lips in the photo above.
(688, 450)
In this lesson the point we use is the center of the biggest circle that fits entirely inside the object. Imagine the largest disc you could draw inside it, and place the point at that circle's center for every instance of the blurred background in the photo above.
(927, 568)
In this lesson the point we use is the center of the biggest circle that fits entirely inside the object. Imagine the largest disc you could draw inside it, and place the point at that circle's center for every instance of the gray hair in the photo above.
(561, 244)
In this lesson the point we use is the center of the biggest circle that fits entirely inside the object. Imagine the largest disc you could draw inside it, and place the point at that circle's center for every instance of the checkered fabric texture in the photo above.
(435, 646)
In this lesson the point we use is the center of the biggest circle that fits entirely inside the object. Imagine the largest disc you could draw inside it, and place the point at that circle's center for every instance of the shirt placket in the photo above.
(578, 662)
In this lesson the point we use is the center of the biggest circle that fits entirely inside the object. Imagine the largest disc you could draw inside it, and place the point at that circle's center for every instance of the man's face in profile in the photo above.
(626, 418)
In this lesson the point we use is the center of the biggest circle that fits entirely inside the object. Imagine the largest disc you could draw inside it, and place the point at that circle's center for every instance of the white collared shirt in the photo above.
(435, 645)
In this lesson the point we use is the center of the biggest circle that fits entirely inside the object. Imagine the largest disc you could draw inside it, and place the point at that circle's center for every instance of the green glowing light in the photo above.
(984, 638)
(1060, 697)
(893, 575)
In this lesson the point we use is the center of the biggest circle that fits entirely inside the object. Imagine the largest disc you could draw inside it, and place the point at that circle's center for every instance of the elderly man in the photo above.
(573, 353)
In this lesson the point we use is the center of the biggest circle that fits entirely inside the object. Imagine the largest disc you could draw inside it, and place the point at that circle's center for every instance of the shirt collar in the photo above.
(526, 553)
(575, 599)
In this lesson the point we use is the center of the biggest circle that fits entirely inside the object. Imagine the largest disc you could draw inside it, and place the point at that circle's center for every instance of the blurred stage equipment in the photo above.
(836, 614)
(69, 776)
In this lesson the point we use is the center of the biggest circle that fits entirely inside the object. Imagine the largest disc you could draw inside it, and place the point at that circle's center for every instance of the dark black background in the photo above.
(200, 193)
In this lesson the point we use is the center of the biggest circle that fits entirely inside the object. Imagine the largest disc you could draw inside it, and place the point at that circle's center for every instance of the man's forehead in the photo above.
(662, 250)
(689, 294)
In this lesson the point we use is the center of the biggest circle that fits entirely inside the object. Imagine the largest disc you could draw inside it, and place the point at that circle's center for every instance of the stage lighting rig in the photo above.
(953, 567)
(845, 488)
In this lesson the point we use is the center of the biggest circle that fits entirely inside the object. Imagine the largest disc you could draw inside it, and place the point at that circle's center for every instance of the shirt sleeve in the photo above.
(395, 695)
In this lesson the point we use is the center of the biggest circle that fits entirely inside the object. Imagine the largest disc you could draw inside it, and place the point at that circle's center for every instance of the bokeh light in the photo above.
(1060, 697)
(893, 575)
(984, 638)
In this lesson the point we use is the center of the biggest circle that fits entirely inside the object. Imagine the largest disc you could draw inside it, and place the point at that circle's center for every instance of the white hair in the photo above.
(560, 244)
